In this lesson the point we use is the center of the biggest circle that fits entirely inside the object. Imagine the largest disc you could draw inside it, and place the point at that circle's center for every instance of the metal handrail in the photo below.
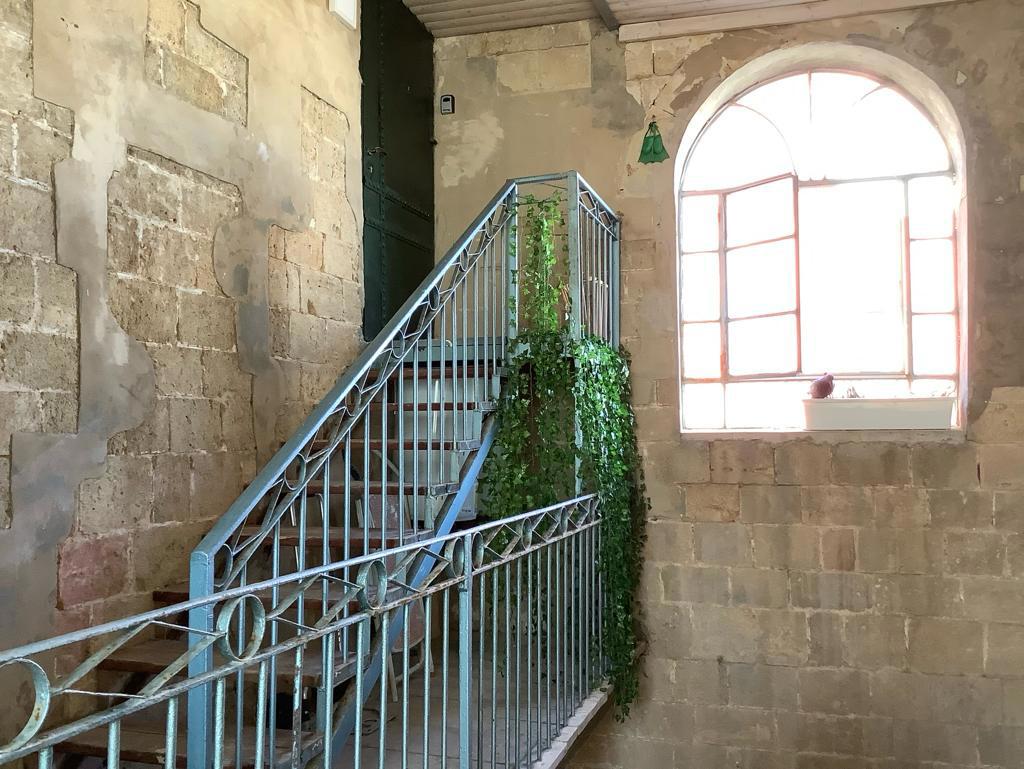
(450, 563)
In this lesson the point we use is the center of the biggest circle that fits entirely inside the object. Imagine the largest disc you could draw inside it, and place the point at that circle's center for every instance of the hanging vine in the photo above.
(555, 385)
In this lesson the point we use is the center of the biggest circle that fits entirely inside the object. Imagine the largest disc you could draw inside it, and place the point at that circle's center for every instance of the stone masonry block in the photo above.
(217, 479)
(839, 549)
(1002, 466)
(17, 300)
(1005, 650)
(212, 53)
(764, 588)
(27, 223)
(669, 631)
(762, 686)
(19, 411)
(283, 285)
(38, 361)
(770, 504)
(164, 549)
(222, 376)
(712, 502)
(1009, 510)
(946, 646)
(206, 321)
(826, 639)
(904, 551)
(39, 148)
(873, 642)
(917, 595)
(239, 424)
(945, 467)
(323, 295)
(556, 69)
(961, 509)
(837, 505)
(735, 726)
(179, 370)
(742, 462)
(639, 60)
(880, 464)
(830, 591)
(900, 507)
(121, 498)
(670, 722)
(722, 544)
(150, 437)
(166, 23)
(192, 83)
(975, 552)
(669, 542)
(842, 692)
(208, 203)
(725, 633)
(58, 298)
(695, 584)
(687, 462)
(59, 413)
(146, 311)
(195, 425)
(803, 463)
(304, 248)
(938, 698)
(145, 187)
(786, 547)
(171, 485)
(1002, 421)
(923, 741)
(91, 568)
(783, 637)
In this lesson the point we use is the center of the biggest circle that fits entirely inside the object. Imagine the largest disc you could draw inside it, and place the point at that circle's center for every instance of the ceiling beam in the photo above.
(607, 14)
(818, 10)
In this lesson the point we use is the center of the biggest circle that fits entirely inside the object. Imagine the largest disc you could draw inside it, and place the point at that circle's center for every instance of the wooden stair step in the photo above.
(410, 370)
(142, 741)
(178, 593)
(153, 657)
(377, 540)
(482, 406)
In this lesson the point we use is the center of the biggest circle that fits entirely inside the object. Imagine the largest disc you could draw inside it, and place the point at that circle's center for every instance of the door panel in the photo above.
(398, 173)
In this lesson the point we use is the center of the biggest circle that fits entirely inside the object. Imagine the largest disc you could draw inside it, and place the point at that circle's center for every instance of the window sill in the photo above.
(948, 435)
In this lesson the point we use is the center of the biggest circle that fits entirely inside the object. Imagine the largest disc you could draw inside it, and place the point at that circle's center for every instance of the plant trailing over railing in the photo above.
(566, 403)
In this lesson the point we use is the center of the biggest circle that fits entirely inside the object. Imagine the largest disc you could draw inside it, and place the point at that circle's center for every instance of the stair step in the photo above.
(356, 488)
(393, 444)
(153, 656)
(410, 371)
(376, 539)
(142, 741)
(178, 593)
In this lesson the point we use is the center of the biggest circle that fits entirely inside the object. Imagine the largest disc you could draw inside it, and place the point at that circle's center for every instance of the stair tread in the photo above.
(142, 741)
(434, 406)
(153, 656)
(409, 368)
(179, 593)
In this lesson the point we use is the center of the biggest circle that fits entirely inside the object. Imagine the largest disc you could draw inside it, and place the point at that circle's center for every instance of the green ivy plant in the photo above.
(566, 401)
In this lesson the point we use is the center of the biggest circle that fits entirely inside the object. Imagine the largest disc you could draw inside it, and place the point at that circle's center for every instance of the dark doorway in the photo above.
(397, 67)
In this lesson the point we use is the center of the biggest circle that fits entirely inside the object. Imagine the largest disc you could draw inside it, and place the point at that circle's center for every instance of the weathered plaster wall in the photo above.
(812, 602)
(180, 278)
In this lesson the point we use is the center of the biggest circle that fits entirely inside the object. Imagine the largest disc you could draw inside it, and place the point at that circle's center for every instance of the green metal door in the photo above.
(397, 68)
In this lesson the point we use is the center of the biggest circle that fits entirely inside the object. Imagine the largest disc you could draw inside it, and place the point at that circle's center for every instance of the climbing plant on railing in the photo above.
(567, 400)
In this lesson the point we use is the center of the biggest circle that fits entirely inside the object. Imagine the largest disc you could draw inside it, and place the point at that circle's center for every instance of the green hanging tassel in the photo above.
(653, 150)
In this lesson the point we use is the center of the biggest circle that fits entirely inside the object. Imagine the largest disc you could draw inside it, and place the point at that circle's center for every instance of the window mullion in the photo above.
(796, 266)
(908, 315)
(723, 288)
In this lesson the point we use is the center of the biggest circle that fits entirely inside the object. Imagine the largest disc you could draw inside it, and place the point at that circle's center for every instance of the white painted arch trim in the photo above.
(347, 11)
(855, 58)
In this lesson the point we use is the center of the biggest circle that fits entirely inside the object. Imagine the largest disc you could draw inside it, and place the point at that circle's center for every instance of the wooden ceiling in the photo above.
(445, 18)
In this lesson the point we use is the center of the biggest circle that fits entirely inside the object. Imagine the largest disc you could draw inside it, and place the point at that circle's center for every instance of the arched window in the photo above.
(817, 234)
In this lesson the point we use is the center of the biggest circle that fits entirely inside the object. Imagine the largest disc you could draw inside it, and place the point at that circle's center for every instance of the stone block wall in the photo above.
(164, 172)
(811, 601)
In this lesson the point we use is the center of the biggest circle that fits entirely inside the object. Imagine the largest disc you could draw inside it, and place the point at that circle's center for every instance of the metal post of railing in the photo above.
(614, 284)
(575, 261)
(512, 268)
(465, 650)
(200, 700)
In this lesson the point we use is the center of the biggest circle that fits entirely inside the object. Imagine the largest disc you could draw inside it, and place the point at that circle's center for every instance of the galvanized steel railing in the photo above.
(513, 611)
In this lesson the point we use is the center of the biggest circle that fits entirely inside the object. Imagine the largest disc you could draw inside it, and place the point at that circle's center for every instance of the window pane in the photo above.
(701, 299)
(703, 406)
(759, 213)
(931, 276)
(872, 388)
(786, 103)
(761, 279)
(933, 388)
(702, 350)
(884, 134)
(762, 346)
(833, 94)
(699, 222)
(764, 404)
(931, 207)
(934, 344)
(851, 258)
(738, 147)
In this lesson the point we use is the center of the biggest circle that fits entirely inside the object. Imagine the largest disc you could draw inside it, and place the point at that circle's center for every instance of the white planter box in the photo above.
(879, 413)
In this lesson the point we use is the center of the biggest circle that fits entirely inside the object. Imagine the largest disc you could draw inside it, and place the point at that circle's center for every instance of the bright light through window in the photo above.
(817, 234)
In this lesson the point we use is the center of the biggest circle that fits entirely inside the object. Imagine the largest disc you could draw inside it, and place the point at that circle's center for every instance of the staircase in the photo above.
(319, 590)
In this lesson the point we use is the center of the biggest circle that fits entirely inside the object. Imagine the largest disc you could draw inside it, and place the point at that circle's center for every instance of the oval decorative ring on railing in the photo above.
(373, 585)
(259, 626)
(40, 706)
